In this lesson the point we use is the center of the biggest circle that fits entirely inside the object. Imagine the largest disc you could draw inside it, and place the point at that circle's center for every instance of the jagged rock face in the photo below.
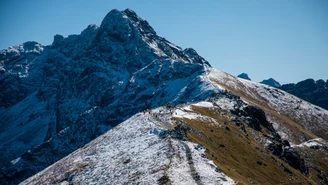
(312, 91)
(244, 76)
(272, 82)
(16, 81)
(56, 98)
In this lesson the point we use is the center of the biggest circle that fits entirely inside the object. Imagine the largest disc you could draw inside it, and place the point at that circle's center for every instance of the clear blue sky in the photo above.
(283, 39)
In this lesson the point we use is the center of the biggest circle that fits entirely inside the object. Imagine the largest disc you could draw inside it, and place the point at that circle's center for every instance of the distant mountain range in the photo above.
(118, 104)
(315, 92)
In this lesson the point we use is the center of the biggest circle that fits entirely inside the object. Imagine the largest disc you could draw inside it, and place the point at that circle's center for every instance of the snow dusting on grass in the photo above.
(204, 104)
(138, 151)
(182, 114)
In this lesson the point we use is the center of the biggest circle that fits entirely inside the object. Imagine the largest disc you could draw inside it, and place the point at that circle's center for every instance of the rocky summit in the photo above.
(244, 76)
(118, 104)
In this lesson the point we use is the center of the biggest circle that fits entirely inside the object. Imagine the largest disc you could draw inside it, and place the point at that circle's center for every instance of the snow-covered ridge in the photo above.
(152, 147)
(309, 116)
(136, 152)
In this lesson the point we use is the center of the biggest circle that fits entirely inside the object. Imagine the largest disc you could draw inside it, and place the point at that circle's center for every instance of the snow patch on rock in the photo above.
(312, 143)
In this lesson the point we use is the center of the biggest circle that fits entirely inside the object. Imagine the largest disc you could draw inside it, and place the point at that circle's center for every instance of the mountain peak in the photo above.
(143, 24)
(271, 82)
(130, 12)
(244, 76)
(116, 25)
(121, 22)
(132, 15)
(119, 68)
(124, 30)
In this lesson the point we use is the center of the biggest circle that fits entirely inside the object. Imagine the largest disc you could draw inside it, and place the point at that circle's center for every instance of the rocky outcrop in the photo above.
(288, 154)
